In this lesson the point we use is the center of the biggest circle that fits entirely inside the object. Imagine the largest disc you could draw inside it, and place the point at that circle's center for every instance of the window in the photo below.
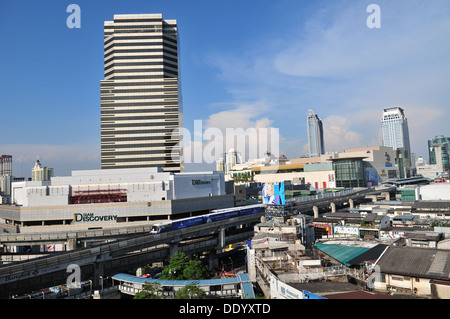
(397, 278)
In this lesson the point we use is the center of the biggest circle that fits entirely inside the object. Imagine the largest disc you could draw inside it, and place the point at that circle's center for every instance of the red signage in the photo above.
(328, 228)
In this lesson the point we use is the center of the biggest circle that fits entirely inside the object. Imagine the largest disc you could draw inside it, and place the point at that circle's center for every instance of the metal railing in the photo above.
(323, 196)
(59, 262)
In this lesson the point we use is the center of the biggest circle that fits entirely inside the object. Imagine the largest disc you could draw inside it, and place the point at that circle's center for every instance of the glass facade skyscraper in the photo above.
(395, 133)
(141, 110)
(315, 135)
(394, 125)
(439, 150)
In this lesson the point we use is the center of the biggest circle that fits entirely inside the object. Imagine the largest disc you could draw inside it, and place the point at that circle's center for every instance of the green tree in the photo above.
(191, 291)
(195, 270)
(150, 291)
(181, 268)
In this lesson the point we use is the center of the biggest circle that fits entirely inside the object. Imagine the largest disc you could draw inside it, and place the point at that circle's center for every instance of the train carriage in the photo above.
(215, 215)
(250, 209)
(221, 214)
(187, 222)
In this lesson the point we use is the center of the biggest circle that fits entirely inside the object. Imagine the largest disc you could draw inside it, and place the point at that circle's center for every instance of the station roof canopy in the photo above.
(243, 279)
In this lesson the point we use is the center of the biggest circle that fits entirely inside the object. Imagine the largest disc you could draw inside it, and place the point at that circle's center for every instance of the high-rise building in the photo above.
(141, 107)
(439, 151)
(5, 178)
(5, 165)
(394, 125)
(395, 133)
(39, 173)
(315, 135)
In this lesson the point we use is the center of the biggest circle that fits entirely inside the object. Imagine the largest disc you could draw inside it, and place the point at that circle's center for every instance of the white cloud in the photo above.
(348, 73)
(338, 136)
(339, 43)
(244, 127)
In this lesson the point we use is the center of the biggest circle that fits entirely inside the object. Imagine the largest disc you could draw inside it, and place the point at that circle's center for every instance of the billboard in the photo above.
(273, 193)
(346, 230)
(371, 177)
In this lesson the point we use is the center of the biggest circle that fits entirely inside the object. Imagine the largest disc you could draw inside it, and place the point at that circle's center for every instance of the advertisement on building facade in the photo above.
(346, 230)
(281, 290)
(371, 177)
(273, 193)
(91, 217)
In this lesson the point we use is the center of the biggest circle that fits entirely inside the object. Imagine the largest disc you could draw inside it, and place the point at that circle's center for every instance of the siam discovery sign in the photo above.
(90, 217)
(199, 182)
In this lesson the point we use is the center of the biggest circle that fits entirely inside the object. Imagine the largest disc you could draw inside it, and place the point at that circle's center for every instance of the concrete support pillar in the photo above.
(213, 261)
(71, 244)
(316, 212)
(351, 203)
(386, 195)
(221, 243)
(333, 207)
(173, 249)
(98, 274)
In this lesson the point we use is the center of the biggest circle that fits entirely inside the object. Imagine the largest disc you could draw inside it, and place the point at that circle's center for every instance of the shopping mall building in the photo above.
(98, 199)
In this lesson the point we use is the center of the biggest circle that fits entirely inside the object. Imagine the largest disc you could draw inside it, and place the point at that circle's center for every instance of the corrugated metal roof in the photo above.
(342, 253)
(416, 262)
(208, 282)
(430, 204)
(242, 279)
(371, 255)
(247, 287)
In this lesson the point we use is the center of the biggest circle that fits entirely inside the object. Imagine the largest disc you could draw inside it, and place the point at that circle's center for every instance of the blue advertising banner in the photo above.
(273, 193)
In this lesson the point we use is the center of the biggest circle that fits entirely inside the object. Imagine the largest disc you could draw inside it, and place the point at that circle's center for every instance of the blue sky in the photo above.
(243, 64)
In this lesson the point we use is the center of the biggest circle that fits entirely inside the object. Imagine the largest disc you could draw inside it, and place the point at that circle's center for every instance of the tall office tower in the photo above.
(315, 135)
(5, 178)
(232, 157)
(141, 107)
(5, 165)
(395, 134)
(439, 151)
(395, 131)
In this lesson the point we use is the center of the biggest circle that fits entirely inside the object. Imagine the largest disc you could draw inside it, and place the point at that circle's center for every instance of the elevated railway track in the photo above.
(98, 261)
(133, 246)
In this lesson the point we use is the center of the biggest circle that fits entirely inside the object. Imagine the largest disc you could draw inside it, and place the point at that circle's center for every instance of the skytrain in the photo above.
(215, 215)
